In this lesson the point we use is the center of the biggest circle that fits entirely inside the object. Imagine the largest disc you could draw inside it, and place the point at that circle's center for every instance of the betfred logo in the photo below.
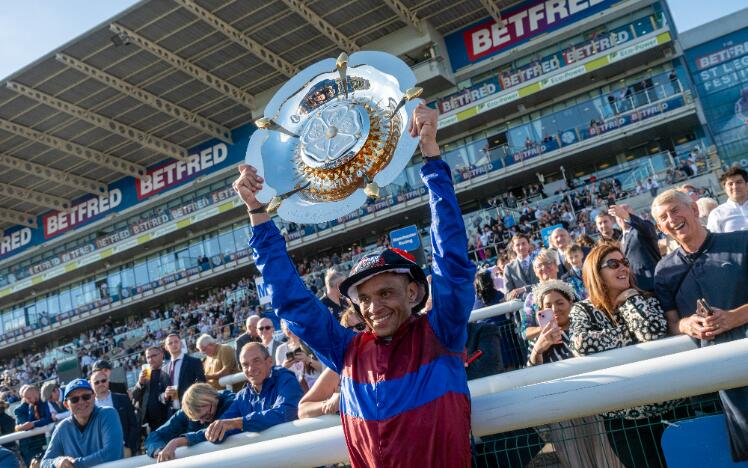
(57, 222)
(175, 172)
(520, 23)
(14, 240)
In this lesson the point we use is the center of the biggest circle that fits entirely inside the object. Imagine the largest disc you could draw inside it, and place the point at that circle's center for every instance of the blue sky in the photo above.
(31, 28)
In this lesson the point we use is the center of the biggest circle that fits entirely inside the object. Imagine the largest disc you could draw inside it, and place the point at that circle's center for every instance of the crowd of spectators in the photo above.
(579, 297)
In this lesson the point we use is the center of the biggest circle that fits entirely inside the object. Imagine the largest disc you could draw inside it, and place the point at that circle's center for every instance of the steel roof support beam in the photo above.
(260, 51)
(180, 113)
(32, 196)
(79, 151)
(53, 175)
(17, 217)
(183, 65)
(131, 133)
(405, 14)
(492, 10)
(332, 33)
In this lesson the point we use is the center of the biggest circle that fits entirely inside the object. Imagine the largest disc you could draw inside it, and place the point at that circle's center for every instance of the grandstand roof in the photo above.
(166, 75)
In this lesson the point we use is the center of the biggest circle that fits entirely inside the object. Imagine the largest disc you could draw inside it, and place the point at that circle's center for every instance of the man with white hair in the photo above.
(332, 298)
(220, 360)
(713, 267)
(250, 334)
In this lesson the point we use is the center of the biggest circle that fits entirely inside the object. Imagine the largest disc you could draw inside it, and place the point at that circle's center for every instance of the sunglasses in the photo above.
(75, 399)
(266, 327)
(360, 326)
(102, 381)
(615, 264)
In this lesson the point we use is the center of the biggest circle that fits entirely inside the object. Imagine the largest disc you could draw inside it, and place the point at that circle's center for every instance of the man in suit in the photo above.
(249, 336)
(638, 244)
(560, 240)
(105, 397)
(519, 275)
(148, 393)
(182, 369)
(116, 387)
(30, 414)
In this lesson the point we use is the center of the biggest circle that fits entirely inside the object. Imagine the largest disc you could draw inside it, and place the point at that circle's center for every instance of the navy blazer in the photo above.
(639, 246)
(25, 413)
(128, 420)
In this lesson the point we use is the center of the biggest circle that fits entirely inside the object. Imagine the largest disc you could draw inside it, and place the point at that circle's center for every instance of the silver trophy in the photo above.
(333, 134)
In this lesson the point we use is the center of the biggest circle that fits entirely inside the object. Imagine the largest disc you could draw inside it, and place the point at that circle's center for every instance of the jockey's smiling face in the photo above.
(386, 301)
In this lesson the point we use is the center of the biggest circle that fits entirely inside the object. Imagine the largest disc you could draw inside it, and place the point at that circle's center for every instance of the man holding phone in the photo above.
(708, 267)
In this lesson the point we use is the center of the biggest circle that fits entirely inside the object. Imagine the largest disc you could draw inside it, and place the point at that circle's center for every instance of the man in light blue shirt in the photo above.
(91, 436)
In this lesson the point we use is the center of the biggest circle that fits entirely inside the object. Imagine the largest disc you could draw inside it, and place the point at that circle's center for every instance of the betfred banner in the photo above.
(522, 23)
(128, 192)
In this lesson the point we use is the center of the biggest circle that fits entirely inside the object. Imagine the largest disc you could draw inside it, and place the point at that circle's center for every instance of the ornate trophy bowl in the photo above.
(333, 134)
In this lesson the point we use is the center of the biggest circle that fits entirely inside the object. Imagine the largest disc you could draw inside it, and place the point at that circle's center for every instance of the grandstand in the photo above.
(118, 150)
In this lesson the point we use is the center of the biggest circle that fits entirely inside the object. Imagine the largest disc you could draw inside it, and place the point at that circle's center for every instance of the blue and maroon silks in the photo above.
(404, 399)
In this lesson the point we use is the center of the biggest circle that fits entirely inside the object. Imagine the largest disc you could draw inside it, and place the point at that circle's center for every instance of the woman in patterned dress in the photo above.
(615, 315)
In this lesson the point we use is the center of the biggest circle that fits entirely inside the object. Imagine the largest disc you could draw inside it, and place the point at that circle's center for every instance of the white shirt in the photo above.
(105, 401)
(729, 217)
(177, 363)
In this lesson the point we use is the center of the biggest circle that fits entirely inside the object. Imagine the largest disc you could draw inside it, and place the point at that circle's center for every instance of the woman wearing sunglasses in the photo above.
(201, 405)
(324, 396)
(615, 315)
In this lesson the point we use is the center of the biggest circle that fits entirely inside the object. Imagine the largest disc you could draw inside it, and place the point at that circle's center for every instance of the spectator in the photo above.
(7, 425)
(30, 414)
(8, 459)
(201, 405)
(249, 336)
(183, 370)
(51, 396)
(639, 245)
(732, 215)
(712, 266)
(120, 402)
(292, 356)
(579, 442)
(652, 186)
(332, 299)
(324, 396)
(615, 315)
(101, 364)
(266, 328)
(604, 224)
(497, 273)
(706, 206)
(575, 256)
(518, 274)
(390, 289)
(219, 361)
(560, 240)
(545, 268)
(271, 398)
(148, 393)
(90, 437)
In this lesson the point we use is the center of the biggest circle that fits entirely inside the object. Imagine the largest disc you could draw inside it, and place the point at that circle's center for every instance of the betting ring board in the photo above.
(333, 134)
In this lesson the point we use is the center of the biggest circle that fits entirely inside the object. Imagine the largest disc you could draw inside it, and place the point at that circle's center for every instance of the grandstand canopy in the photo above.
(166, 75)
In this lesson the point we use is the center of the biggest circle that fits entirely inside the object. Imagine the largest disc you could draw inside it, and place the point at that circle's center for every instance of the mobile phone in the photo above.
(290, 355)
(544, 317)
(706, 309)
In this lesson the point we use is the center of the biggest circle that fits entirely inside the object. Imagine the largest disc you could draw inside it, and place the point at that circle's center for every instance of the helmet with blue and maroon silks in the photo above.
(385, 261)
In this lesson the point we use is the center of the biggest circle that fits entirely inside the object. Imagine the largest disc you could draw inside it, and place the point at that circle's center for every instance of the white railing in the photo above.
(479, 314)
(643, 382)
(501, 383)
(26, 434)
